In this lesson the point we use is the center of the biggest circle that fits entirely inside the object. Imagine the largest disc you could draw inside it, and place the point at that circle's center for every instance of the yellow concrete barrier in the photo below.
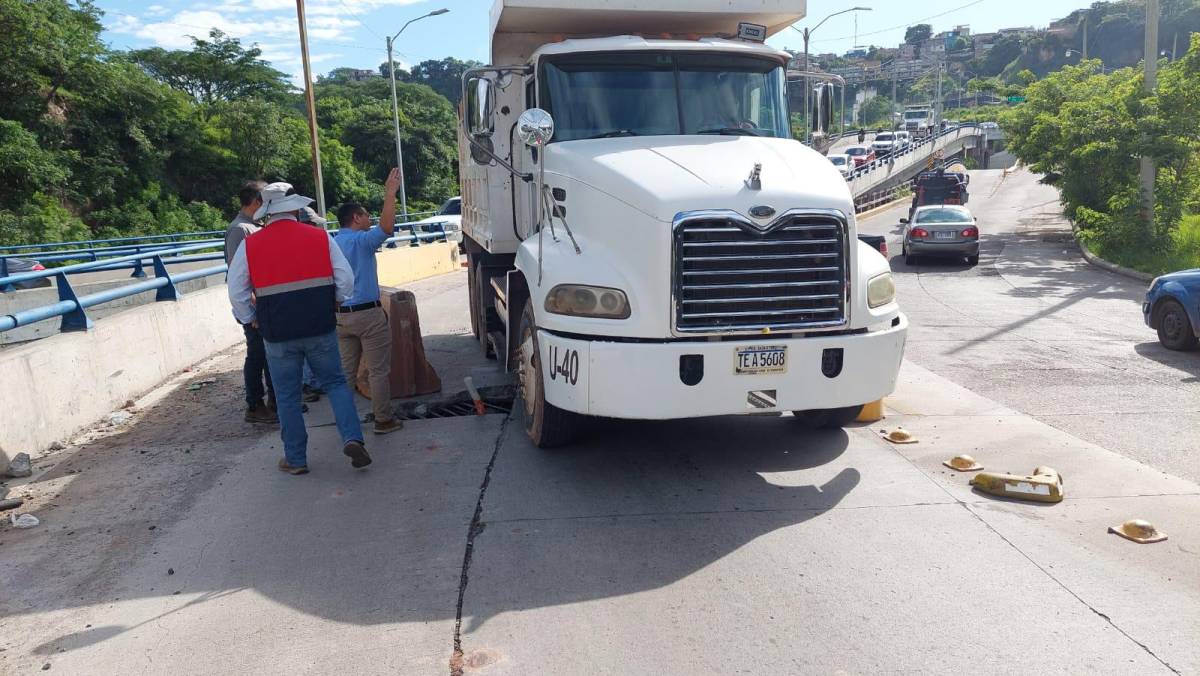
(409, 263)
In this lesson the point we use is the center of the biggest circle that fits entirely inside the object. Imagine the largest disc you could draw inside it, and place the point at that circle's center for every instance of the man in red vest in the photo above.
(287, 280)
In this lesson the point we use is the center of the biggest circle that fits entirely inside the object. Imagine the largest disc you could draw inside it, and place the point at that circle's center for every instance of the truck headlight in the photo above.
(579, 300)
(881, 290)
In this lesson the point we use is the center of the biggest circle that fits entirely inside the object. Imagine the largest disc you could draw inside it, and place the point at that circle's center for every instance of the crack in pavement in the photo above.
(1067, 589)
(474, 529)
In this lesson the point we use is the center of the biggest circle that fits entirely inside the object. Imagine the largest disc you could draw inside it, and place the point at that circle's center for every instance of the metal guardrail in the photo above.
(71, 306)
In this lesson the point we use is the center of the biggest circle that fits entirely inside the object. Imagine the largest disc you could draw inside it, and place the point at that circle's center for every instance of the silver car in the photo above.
(942, 230)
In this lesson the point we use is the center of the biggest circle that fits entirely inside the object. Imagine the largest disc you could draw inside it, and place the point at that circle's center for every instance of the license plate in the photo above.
(760, 359)
(943, 234)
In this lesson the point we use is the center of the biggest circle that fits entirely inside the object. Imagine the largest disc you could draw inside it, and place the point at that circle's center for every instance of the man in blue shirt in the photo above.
(362, 326)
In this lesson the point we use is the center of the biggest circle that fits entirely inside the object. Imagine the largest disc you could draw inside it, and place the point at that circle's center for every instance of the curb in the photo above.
(1106, 265)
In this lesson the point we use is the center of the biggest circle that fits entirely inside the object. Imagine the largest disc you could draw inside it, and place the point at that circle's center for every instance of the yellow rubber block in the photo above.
(1044, 485)
(872, 412)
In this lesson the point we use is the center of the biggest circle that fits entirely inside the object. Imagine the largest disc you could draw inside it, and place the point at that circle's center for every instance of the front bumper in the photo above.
(922, 248)
(643, 380)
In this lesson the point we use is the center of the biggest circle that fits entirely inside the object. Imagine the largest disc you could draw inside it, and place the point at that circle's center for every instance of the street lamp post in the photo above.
(1150, 64)
(396, 111)
(806, 33)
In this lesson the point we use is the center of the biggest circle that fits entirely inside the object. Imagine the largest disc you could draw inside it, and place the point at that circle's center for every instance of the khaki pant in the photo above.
(366, 335)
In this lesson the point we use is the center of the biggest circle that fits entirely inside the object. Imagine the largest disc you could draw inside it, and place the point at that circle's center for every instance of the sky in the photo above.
(352, 32)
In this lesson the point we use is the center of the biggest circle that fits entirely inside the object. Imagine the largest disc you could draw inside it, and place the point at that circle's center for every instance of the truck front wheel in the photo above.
(547, 425)
(828, 418)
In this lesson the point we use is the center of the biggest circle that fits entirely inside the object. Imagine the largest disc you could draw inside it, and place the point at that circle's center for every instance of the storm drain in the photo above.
(496, 400)
(423, 412)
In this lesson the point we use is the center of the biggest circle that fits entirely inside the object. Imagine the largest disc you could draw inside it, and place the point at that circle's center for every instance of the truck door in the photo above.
(523, 159)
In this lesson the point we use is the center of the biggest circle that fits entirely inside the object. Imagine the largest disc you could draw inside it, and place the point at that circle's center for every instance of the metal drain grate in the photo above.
(453, 410)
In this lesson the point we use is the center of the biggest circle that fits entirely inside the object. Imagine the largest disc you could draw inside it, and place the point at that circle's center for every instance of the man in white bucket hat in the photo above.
(288, 279)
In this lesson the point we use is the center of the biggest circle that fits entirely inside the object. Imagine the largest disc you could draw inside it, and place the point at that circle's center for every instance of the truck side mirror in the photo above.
(481, 100)
(822, 108)
(535, 127)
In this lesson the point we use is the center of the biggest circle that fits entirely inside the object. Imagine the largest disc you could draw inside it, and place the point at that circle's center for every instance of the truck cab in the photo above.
(918, 120)
(644, 237)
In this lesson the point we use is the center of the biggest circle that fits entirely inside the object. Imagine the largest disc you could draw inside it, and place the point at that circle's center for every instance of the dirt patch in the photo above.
(105, 497)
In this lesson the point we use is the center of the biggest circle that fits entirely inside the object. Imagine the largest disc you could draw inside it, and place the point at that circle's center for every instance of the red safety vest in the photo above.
(292, 276)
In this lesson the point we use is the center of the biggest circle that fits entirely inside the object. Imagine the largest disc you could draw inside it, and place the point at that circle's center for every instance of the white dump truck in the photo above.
(918, 120)
(644, 237)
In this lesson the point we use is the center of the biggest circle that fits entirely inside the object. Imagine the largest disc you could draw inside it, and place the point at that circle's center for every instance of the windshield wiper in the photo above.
(613, 134)
(730, 131)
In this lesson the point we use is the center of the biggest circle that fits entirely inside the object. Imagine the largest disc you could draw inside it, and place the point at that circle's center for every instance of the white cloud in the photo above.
(156, 10)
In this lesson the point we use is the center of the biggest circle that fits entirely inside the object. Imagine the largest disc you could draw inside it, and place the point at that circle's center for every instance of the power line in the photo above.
(903, 25)
(359, 19)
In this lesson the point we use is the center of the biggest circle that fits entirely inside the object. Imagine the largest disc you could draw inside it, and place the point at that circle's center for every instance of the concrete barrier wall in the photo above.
(24, 299)
(52, 387)
(56, 386)
(409, 263)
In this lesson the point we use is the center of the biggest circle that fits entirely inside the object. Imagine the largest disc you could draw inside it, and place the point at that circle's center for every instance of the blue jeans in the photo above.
(286, 360)
(254, 369)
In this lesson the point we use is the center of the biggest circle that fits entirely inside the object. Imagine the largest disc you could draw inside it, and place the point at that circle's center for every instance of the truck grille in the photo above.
(730, 276)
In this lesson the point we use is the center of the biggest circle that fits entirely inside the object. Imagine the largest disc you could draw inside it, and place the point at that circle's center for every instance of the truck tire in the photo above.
(828, 418)
(547, 425)
(1174, 327)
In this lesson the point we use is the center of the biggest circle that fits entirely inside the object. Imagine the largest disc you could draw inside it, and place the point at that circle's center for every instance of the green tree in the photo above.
(444, 76)
(217, 69)
(918, 33)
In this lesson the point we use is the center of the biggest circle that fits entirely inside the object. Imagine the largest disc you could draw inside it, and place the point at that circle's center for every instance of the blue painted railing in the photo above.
(71, 306)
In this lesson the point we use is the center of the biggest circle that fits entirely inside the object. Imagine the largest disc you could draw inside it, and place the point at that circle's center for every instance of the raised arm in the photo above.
(387, 217)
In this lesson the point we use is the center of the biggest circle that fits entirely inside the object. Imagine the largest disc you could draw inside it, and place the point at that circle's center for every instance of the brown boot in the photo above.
(388, 426)
(285, 467)
(260, 413)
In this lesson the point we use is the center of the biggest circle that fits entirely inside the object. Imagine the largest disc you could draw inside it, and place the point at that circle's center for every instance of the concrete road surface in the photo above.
(743, 545)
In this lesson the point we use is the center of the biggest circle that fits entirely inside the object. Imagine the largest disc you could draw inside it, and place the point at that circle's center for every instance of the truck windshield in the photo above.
(916, 114)
(599, 95)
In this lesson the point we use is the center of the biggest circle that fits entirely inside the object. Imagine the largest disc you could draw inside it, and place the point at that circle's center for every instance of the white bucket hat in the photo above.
(276, 200)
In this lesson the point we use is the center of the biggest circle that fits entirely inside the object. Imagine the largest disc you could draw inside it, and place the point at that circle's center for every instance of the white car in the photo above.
(903, 140)
(842, 162)
(448, 219)
(884, 143)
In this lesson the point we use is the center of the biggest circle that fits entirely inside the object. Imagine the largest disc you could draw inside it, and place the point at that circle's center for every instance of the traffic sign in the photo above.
(1016, 99)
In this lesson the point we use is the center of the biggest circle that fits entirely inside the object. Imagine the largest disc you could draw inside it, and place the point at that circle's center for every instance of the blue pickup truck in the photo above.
(1172, 307)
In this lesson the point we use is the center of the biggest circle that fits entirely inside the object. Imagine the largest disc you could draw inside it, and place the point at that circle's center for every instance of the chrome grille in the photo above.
(731, 276)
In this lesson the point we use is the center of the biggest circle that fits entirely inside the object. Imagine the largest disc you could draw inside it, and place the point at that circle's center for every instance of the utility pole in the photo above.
(895, 104)
(937, 104)
(1085, 29)
(312, 110)
(1147, 170)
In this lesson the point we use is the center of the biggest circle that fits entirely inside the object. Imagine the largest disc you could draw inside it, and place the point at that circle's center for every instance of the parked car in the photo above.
(17, 266)
(943, 230)
(861, 154)
(448, 219)
(842, 161)
(884, 143)
(1172, 307)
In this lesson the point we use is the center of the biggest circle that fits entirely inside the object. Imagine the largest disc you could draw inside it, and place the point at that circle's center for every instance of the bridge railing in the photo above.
(867, 177)
(70, 306)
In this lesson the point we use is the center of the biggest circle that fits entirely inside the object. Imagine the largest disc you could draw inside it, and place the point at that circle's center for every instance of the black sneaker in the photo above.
(311, 394)
(357, 454)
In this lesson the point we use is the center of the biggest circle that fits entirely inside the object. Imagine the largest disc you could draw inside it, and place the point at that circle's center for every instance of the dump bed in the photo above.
(518, 24)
